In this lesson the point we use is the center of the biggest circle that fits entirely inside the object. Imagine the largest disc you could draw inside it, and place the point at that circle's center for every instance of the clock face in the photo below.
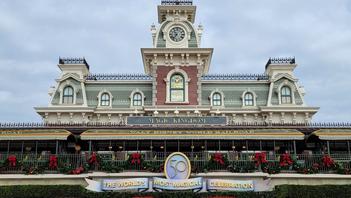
(177, 34)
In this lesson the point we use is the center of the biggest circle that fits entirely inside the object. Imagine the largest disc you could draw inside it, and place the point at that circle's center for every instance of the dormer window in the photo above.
(217, 99)
(137, 100)
(68, 96)
(177, 88)
(249, 99)
(286, 97)
(105, 100)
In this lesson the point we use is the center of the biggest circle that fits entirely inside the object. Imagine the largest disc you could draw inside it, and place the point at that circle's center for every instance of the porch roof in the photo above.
(196, 134)
(34, 134)
(333, 134)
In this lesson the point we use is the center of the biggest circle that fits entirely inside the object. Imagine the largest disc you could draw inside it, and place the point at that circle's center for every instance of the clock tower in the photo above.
(176, 62)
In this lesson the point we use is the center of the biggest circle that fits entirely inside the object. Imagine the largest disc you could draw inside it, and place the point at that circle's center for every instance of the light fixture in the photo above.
(162, 147)
(77, 147)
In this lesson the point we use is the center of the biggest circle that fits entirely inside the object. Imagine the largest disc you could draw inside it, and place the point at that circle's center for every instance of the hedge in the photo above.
(324, 191)
(62, 191)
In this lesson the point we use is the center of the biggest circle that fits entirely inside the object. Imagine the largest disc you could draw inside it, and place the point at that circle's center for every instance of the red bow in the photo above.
(327, 161)
(12, 160)
(93, 158)
(285, 160)
(218, 157)
(136, 158)
(77, 171)
(260, 158)
(53, 162)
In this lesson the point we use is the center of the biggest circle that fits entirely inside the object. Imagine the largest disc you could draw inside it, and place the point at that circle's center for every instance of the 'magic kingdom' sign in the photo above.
(177, 120)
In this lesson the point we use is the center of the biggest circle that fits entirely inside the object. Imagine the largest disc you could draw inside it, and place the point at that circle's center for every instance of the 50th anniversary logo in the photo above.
(177, 170)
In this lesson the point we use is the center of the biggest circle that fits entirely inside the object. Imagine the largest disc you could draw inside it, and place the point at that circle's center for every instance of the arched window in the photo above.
(217, 99)
(137, 99)
(285, 94)
(105, 100)
(177, 88)
(67, 95)
(249, 99)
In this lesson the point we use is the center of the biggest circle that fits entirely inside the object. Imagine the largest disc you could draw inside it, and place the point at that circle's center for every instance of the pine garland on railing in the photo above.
(78, 164)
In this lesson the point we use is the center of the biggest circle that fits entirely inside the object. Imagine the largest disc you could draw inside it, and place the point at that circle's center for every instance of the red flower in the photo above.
(135, 158)
(218, 157)
(315, 166)
(327, 161)
(93, 158)
(53, 162)
(260, 158)
(12, 160)
(77, 171)
(285, 160)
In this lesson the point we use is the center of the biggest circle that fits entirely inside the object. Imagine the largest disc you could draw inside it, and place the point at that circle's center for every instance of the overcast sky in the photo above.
(110, 33)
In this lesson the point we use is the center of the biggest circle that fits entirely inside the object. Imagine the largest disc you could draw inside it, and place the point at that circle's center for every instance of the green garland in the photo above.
(111, 167)
(242, 167)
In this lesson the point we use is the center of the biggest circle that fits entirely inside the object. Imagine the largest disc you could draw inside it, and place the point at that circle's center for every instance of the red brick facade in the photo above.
(162, 72)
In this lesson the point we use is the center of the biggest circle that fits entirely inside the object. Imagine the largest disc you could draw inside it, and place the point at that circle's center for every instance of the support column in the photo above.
(178, 145)
(219, 145)
(22, 147)
(328, 147)
(90, 146)
(8, 147)
(151, 147)
(260, 145)
(56, 149)
(247, 146)
(36, 147)
(206, 146)
(348, 147)
(295, 147)
(165, 148)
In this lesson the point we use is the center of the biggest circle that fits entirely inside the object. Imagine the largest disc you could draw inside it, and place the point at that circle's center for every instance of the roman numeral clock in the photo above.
(177, 34)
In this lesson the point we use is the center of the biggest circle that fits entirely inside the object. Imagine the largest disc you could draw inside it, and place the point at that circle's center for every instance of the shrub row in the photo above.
(286, 191)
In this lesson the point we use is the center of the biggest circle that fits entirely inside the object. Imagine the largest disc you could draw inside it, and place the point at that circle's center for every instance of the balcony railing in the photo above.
(176, 2)
(153, 161)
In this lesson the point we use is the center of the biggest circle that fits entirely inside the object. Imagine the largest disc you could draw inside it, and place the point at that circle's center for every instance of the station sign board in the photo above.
(215, 120)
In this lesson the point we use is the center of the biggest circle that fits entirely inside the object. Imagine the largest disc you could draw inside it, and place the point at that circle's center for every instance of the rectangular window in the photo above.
(177, 96)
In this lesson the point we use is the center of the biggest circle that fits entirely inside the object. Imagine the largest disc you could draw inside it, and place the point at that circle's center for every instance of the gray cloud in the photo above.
(244, 33)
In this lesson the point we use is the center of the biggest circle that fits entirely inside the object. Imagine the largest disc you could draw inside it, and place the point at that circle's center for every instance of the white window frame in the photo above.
(99, 98)
(222, 98)
(254, 98)
(286, 83)
(131, 97)
(168, 86)
(65, 84)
